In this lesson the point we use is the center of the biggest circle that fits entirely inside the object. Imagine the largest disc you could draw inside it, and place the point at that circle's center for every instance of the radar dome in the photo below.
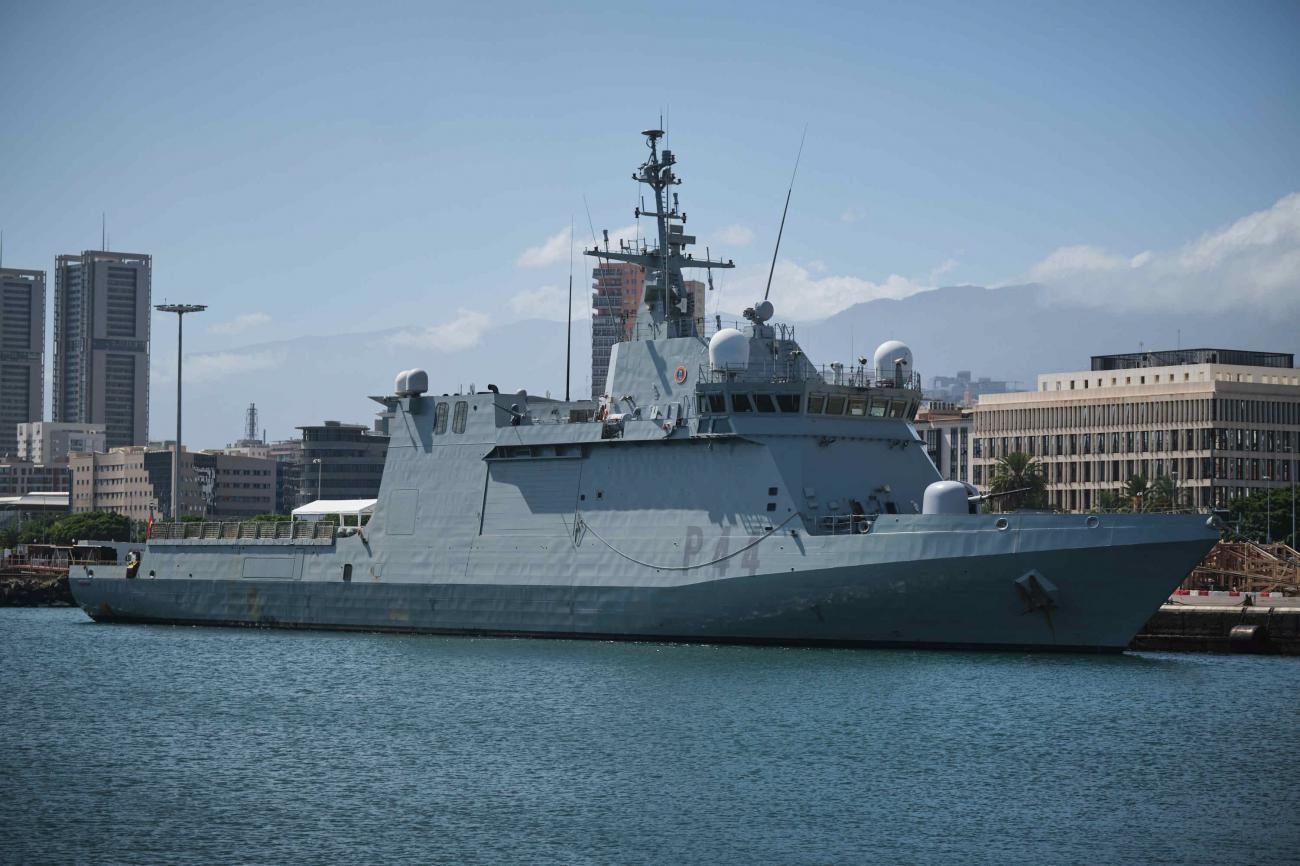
(729, 350)
(893, 361)
(412, 382)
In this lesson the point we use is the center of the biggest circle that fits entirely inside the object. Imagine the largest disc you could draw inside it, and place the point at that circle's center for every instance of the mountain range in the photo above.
(1011, 333)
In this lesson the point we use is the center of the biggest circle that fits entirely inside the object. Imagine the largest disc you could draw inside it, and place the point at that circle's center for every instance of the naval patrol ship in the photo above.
(723, 489)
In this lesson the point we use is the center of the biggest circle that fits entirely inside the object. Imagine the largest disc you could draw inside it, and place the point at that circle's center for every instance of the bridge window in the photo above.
(788, 402)
(897, 408)
(857, 406)
(834, 405)
(740, 403)
(764, 403)
(440, 419)
(879, 408)
(718, 402)
(816, 403)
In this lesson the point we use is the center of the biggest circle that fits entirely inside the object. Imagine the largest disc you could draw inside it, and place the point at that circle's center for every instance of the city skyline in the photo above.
(1099, 152)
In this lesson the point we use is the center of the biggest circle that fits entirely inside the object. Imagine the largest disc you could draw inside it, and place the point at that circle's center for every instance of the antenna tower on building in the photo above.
(250, 423)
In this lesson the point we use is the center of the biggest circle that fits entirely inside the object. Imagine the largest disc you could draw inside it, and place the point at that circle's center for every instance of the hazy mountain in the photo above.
(1010, 333)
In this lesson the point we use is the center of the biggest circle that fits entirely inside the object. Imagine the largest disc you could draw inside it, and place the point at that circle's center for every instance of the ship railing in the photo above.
(243, 529)
(845, 524)
(794, 372)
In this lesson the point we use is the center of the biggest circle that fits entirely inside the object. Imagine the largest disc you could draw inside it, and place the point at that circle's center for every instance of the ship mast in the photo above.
(666, 301)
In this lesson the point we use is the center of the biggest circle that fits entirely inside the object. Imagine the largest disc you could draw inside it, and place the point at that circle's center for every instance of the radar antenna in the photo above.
(666, 300)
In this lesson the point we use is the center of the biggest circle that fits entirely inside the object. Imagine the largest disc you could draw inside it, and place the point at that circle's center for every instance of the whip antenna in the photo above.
(784, 211)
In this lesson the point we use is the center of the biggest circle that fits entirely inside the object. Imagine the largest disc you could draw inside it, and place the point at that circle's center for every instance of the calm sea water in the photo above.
(193, 745)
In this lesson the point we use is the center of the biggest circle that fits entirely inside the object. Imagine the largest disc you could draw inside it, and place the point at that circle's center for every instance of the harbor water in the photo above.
(207, 745)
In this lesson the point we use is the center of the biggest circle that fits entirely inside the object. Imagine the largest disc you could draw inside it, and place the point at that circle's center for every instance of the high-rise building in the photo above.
(617, 291)
(341, 461)
(22, 353)
(1217, 423)
(101, 343)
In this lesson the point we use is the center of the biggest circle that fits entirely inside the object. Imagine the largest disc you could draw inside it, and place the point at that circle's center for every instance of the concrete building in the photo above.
(20, 477)
(22, 353)
(287, 454)
(101, 343)
(616, 293)
(946, 429)
(1218, 423)
(134, 479)
(964, 390)
(341, 461)
(50, 443)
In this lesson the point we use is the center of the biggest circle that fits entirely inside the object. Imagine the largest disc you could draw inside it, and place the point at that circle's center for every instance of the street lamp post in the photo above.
(1268, 511)
(180, 310)
(320, 468)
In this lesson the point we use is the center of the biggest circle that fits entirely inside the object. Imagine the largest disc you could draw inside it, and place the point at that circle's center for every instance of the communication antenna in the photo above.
(784, 211)
(103, 231)
(250, 423)
(568, 331)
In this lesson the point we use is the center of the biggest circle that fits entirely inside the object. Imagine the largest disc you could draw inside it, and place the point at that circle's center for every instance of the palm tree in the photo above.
(1110, 501)
(1135, 490)
(1161, 494)
(1021, 473)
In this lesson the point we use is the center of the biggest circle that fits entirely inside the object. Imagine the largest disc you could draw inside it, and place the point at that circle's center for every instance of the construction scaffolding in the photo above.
(1245, 566)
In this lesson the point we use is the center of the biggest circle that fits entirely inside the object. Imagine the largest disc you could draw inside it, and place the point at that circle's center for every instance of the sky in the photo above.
(324, 168)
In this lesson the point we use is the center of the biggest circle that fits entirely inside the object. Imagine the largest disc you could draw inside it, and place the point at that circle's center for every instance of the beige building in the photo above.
(946, 430)
(133, 480)
(1218, 423)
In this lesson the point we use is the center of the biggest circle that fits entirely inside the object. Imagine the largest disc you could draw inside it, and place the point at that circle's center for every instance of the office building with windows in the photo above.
(22, 353)
(340, 461)
(946, 430)
(1217, 423)
(101, 343)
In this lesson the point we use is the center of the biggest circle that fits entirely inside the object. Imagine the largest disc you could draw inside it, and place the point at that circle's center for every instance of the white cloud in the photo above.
(947, 266)
(548, 302)
(462, 332)
(556, 248)
(1255, 261)
(851, 215)
(214, 366)
(550, 251)
(241, 323)
(801, 294)
(736, 236)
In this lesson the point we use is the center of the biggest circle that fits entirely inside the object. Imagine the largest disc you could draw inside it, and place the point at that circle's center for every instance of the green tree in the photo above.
(1111, 501)
(1025, 476)
(98, 525)
(1160, 496)
(1136, 489)
(1263, 514)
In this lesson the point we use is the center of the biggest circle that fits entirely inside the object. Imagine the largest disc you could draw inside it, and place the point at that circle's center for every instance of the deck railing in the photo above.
(247, 529)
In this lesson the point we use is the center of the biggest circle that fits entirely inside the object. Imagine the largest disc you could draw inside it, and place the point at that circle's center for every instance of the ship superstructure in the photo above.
(725, 489)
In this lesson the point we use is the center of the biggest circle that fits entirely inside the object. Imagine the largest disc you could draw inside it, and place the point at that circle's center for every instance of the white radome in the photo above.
(729, 350)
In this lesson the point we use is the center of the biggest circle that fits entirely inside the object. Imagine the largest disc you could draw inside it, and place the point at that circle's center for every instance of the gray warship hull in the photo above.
(1105, 579)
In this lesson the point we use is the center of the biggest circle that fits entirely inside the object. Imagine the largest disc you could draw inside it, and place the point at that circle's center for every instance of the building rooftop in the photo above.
(1177, 357)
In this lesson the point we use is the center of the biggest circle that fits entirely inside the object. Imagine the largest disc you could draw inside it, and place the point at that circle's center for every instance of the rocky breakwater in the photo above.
(35, 590)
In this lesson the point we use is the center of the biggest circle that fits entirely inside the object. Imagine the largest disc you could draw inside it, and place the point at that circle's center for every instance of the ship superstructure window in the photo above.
(816, 403)
(713, 403)
(788, 402)
(740, 403)
(835, 405)
(458, 420)
(440, 419)
(879, 408)
(764, 403)
(897, 408)
(857, 405)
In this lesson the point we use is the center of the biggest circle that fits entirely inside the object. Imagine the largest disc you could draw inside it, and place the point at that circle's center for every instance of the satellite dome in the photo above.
(729, 350)
(893, 361)
(400, 384)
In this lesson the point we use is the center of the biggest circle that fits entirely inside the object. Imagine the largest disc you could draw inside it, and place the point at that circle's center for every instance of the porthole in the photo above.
(1002, 523)
(1093, 522)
